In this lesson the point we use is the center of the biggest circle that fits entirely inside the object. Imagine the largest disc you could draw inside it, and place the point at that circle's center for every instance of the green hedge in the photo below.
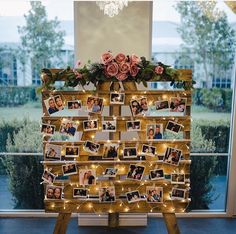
(15, 96)
(216, 99)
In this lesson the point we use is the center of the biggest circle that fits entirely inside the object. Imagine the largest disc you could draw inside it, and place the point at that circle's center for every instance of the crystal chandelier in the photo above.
(112, 8)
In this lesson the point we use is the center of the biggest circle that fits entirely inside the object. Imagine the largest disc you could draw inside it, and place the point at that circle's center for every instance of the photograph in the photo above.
(107, 194)
(135, 172)
(53, 192)
(178, 104)
(157, 174)
(133, 126)
(110, 151)
(173, 127)
(52, 152)
(80, 192)
(177, 178)
(162, 105)
(154, 194)
(72, 151)
(130, 152)
(154, 131)
(117, 98)
(87, 176)
(48, 176)
(48, 130)
(94, 104)
(110, 172)
(178, 194)
(148, 150)
(133, 196)
(69, 169)
(90, 125)
(74, 105)
(91, 147)
(68, 127)
(59, 102)
(50, 105)
(139, 107)
(109, 126)
(172, 156)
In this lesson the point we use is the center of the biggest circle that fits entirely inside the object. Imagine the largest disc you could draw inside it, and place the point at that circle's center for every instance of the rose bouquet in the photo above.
(120, 67)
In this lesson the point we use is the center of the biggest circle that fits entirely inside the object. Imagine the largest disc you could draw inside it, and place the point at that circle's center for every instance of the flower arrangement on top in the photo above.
(115, 68)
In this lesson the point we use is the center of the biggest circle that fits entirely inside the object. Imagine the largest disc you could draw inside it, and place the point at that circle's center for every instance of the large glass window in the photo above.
(201, 36)
(42, 38)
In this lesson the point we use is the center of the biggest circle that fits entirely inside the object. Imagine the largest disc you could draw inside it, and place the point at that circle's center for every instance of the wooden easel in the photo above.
(113, 217)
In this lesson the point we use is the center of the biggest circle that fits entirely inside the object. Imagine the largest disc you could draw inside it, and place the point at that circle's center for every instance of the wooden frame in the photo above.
(169, 207)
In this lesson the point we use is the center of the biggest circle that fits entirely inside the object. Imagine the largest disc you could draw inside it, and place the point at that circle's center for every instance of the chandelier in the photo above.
(112, 8)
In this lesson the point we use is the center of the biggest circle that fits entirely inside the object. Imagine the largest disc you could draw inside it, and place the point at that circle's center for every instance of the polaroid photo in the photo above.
(107, 194)
(52, 152)
(110, 151)
(68, 128)
(135, 172)
(117, 98)
(90, 125)
(133, 126)
(69, 169)
(53, 192)
(110, 172)
(87, 176)
(130, 152)
(173, 127)
(148, 150)
(109, 126)
(48, 177)
(177, 178)
(178, 194)
(48, 129)
(172, 156)
(74, 105)
(50, 105)
(135, 107)
(62, 179)
(162, 105)
(72, 151)
(59, 102)
(91, 147)
(94, 104)
(154, 131)
(178, 104)
(157, 174)
(133, 196)
(154, 194)
(80, 192)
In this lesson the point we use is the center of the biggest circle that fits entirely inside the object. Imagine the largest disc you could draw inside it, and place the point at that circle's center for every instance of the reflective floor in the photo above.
(187, 225)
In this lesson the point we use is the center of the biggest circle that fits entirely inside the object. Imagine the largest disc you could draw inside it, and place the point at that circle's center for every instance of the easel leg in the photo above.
(171, 223)
(61, 224)
(113, 219)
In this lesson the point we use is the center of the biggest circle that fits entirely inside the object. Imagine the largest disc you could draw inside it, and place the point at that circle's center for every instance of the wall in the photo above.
(129, 32)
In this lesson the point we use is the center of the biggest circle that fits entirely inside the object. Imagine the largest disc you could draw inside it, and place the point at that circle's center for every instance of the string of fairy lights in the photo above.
(89, 203)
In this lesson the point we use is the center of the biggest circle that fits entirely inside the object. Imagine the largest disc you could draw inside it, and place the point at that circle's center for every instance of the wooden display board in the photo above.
(156, 192)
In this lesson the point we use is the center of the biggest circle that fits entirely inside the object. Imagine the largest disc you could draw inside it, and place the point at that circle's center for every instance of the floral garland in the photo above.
(115, 68)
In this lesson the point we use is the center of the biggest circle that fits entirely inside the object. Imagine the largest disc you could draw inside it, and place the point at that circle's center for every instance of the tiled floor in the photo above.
(187, 225)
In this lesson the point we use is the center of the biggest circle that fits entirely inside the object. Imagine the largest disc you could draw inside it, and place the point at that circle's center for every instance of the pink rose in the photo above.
(78, 63)
(134, 59)
(77, 74)
(120, 58)
(106, 58)
(112, 69)
(134, 70)
(121, 76)
(159, 70)
(124, 67)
